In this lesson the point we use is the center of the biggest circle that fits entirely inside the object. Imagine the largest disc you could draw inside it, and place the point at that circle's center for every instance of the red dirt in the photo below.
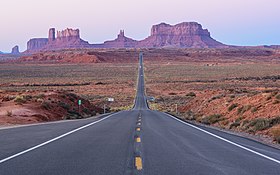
(35, 106)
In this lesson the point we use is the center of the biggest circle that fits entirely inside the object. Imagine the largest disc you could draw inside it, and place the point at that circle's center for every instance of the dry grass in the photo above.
(95, 82)
(276, 133)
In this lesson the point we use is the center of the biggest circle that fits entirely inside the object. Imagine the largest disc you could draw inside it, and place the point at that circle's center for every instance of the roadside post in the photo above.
(176, 108)
(109, 100)
(79, 106)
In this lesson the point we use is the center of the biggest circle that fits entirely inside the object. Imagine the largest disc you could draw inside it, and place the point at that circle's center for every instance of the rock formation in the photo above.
(51, 35)
(15, 50)
(121, 42)
(36, 44)
(183, 35)
(68, 34)
(186, 35)
(65, 39)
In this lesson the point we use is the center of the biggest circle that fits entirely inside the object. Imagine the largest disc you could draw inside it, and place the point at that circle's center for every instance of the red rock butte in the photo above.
(183, 35)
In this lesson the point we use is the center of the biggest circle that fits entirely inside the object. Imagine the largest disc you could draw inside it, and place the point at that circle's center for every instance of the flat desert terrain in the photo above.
(234, 89)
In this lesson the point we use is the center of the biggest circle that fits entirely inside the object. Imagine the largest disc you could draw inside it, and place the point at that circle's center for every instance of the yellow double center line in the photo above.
(138, 159)
(138, 163)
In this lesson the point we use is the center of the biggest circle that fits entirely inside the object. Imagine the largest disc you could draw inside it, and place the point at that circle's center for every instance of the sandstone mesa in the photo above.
(183, 35)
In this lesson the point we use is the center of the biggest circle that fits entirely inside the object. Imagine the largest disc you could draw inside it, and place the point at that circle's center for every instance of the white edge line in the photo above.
(228, 141)
(48, 123)
(54, 139)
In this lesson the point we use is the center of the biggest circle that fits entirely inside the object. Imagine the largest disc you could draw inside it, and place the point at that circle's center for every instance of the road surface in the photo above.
(139, 141)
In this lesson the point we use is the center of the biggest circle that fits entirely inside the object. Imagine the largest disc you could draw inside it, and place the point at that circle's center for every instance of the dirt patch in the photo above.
(232, 96)
(35, 106)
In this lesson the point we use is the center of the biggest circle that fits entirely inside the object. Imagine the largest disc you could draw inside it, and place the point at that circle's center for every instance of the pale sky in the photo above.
(235, 22)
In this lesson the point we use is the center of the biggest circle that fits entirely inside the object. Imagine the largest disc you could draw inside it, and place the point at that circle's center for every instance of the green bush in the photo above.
(86, 111)
(276, 133)
(20, 99)
(211, 119)
(9, 113)
(64, 105)
(234, 124)
(189, 115)
(254, 109)
(262, 123)
(243, 109)
(259, 124)
(46, 105)
(191, 94)
(277, 97)
(231, 107)
(40, 96)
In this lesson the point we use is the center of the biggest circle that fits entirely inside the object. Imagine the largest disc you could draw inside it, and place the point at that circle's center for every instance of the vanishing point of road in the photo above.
(138, 141)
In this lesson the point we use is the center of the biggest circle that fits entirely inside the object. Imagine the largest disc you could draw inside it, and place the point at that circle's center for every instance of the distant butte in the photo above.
(183, 35)
(15, 50)
(121, 42)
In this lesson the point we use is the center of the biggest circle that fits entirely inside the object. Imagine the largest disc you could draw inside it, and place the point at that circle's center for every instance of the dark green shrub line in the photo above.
(231, 107)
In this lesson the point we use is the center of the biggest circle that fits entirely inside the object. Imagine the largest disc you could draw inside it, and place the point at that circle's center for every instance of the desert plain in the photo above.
(235, 89)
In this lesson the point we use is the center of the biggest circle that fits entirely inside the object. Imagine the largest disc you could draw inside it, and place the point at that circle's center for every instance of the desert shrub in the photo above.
(234, 124)
(73, 112)
(277, 97)
(268, 90)
(9, 113)
(243, 109)
(245, 122)
(274, 121)
(63, 96)
(40, 96)
(276, 133)
(19, 99)
(216, 97)
(10, 97)
(191, 94)
(263, 123)
(46, 105)
(93, 113)
(172, 93)
(211, 119)
(268, 98)
(71, 95)
(244, 125)
(73, 115)
(189, 115)
(274, 93)
(72, 99)
(239, 110)
(86, 110)
(27, 97)
(254, 109)
(231, 107)
(276, 102)
(64, 105)
(259, 124)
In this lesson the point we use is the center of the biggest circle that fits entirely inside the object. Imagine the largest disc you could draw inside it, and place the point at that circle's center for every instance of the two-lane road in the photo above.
(139, 141)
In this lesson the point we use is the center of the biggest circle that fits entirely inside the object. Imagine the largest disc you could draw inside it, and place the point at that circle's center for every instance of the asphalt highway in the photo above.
(139, 141)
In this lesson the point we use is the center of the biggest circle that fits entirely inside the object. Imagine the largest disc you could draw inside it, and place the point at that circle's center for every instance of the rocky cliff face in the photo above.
(183, 35)
(121, 42)
(36, 44)
(15, 50)
(187, 34)
(65, 39)
(68, 34)
(68, 38)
